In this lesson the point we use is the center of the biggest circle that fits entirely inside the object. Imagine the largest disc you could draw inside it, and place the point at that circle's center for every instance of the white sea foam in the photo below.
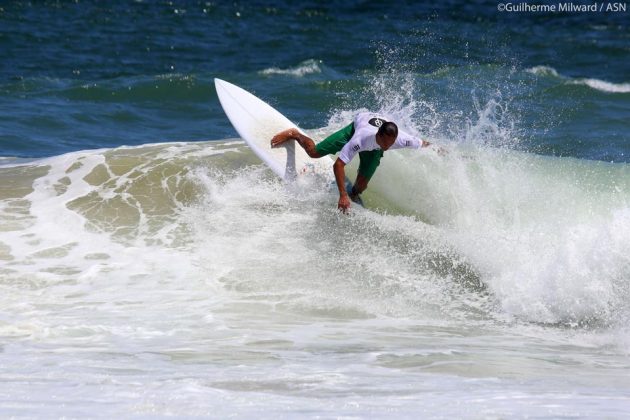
(543, 71)
(304, 68)
(597, 84)
(185, 279)
(605, 86)
(548, 235)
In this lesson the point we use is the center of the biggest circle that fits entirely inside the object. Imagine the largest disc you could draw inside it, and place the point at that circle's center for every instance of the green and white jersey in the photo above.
(366, 125)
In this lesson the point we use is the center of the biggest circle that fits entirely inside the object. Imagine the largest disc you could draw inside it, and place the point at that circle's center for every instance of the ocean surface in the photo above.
(152, 266)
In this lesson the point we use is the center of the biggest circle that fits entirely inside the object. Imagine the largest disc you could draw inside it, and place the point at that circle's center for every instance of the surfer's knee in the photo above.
(311, 149)
(312, 152)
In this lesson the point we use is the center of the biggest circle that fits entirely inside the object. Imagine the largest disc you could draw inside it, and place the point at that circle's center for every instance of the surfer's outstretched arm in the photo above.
(424, 144)
(306, 142)
(340, 177)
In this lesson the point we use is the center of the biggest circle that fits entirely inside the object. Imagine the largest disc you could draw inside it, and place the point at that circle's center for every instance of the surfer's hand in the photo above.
(344, 203)
(441, 151)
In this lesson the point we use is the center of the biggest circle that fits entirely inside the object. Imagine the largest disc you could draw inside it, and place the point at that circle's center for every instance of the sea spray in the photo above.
(546, 234)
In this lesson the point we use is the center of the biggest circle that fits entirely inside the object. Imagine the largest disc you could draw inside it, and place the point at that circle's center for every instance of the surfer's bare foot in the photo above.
(282, 137)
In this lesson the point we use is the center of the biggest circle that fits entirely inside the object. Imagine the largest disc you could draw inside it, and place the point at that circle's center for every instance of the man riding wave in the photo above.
(369, 135)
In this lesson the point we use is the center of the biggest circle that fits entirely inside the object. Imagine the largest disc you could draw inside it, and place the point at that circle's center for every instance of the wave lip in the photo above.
(604, 86)
(543, 71)
(310, 66)
(597, 84)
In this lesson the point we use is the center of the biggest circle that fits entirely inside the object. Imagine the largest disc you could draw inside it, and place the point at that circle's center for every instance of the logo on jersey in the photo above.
(356, 147)
(377, 122)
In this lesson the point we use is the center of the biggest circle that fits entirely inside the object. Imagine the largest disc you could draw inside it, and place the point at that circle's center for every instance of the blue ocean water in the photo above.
(78, 75)
(152, 266)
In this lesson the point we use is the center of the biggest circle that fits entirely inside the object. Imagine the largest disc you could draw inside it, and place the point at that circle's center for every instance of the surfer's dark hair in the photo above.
(388, 129)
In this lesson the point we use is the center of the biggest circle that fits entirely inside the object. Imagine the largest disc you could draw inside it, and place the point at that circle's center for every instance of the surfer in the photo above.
(369, 135)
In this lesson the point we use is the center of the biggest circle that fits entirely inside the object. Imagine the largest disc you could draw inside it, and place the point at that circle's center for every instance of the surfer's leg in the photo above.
(306, 142)
(309, 146)
(329, 146)
(354, 191)
(368, 162)
(335, 142)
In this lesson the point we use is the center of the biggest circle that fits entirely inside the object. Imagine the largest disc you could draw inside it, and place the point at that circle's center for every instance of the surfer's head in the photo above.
(386, 135)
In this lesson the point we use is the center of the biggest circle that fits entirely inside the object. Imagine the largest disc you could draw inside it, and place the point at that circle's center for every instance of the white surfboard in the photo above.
(257, 122)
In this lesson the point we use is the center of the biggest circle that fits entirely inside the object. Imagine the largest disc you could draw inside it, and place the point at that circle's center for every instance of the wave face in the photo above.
(547, 236)
(193, 257)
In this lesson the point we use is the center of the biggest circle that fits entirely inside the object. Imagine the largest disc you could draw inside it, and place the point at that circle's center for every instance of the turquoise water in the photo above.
(151, 266)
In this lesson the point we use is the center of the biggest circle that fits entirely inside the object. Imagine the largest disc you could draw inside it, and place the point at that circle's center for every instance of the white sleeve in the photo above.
(350, 150)
(408, 141)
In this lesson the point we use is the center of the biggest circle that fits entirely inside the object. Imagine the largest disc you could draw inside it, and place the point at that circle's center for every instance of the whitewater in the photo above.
(185, 279)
